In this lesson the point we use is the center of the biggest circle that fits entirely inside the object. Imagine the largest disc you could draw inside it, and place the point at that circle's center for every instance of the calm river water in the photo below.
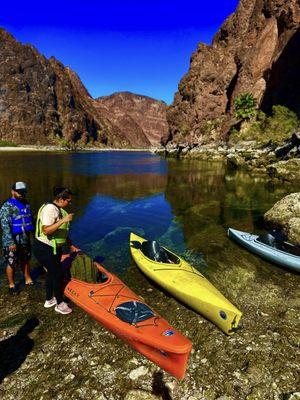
(185, 205)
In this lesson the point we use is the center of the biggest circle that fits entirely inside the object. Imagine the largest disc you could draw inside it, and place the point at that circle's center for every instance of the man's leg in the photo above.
(25, 256)
(26, 271)
(11, 258)
(10, 272)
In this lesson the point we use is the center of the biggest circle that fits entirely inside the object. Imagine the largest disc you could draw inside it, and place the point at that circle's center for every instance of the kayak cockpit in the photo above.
(284, 246)
(155, 252)
(134, 312)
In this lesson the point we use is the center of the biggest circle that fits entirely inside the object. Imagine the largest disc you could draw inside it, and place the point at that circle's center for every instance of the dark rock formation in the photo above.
(292, 144)
(43, 102)
(256, 50)
(137, 116)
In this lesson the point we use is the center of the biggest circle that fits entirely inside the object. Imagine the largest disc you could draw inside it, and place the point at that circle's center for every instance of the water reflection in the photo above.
(117, 163)
(207, 199)
(106, 223)
(42, 171)
(187, 205)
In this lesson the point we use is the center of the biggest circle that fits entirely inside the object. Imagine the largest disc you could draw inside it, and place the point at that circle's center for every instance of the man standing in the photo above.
(17, 223)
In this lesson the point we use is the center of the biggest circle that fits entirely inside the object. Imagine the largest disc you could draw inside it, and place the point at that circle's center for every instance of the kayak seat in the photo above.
(267, 239)
(281, 243)
(287, 247)
(279, 236)
(133, 312)
(155, 252)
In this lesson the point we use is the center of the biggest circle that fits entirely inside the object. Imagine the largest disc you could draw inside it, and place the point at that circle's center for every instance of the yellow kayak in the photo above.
(184, 282)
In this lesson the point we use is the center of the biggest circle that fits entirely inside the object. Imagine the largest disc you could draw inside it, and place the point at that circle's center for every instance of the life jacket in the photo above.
(23, 222)
(58, 237)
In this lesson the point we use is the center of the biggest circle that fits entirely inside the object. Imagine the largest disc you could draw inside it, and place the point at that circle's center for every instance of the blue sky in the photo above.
(138, 46)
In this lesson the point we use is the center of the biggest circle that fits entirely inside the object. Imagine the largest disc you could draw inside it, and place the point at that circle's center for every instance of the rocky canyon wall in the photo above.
(44, 102)
(256, 50)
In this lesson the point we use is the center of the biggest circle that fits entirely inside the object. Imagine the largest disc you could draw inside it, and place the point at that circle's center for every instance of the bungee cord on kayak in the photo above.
(95, 294)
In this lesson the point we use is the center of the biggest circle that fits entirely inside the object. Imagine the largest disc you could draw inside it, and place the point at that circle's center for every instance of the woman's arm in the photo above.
(48, 230)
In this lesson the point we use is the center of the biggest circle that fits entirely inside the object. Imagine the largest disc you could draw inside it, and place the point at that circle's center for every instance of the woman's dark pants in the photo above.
(52, 262)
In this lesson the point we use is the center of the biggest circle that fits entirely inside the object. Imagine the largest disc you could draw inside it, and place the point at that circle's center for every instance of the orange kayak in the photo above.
(125, 314)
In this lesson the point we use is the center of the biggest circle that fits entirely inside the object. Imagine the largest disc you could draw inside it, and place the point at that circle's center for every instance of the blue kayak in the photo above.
(284, 254)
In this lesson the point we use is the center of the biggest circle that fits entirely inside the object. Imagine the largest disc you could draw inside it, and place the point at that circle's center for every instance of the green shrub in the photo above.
(281, 124)
(255, 130)
(261, 116)
(276, 128)
(245, 106)
(4, 143)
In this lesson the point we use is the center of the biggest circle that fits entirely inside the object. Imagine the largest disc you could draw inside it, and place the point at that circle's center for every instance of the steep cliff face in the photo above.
(37, 100)
(256, 50)
(135, 113)
(108, 134)
(42, 101)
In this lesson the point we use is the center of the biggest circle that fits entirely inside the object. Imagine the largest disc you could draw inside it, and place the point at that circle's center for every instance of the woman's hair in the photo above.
(60, 192)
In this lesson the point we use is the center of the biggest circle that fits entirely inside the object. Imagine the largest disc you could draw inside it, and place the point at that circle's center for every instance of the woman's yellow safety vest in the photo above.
(58, 237)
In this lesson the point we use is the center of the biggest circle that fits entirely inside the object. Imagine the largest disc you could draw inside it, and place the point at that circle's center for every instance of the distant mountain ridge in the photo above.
(44, 102)
(128, 110)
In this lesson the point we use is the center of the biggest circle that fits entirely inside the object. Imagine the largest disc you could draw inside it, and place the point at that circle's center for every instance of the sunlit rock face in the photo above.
(44, 102)
(285, 215)
(37, 100)
(256, 50)
(141, 119)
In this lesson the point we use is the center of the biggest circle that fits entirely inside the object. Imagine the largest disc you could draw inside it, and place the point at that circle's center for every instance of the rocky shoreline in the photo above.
(244, 155)
(49, 148)
(75, 358)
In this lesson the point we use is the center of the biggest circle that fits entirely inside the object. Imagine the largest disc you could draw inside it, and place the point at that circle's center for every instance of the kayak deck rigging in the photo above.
(94, 294)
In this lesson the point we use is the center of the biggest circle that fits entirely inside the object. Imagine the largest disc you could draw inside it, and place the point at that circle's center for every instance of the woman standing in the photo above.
(52, 228)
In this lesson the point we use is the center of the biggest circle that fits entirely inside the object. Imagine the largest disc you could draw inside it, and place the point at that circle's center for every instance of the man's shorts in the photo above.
(15, 257)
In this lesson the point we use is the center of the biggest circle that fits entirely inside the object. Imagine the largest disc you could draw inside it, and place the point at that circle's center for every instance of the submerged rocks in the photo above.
(140, 395)
(285, 215)
(75, 358)
(288, 170)
(235, 161)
